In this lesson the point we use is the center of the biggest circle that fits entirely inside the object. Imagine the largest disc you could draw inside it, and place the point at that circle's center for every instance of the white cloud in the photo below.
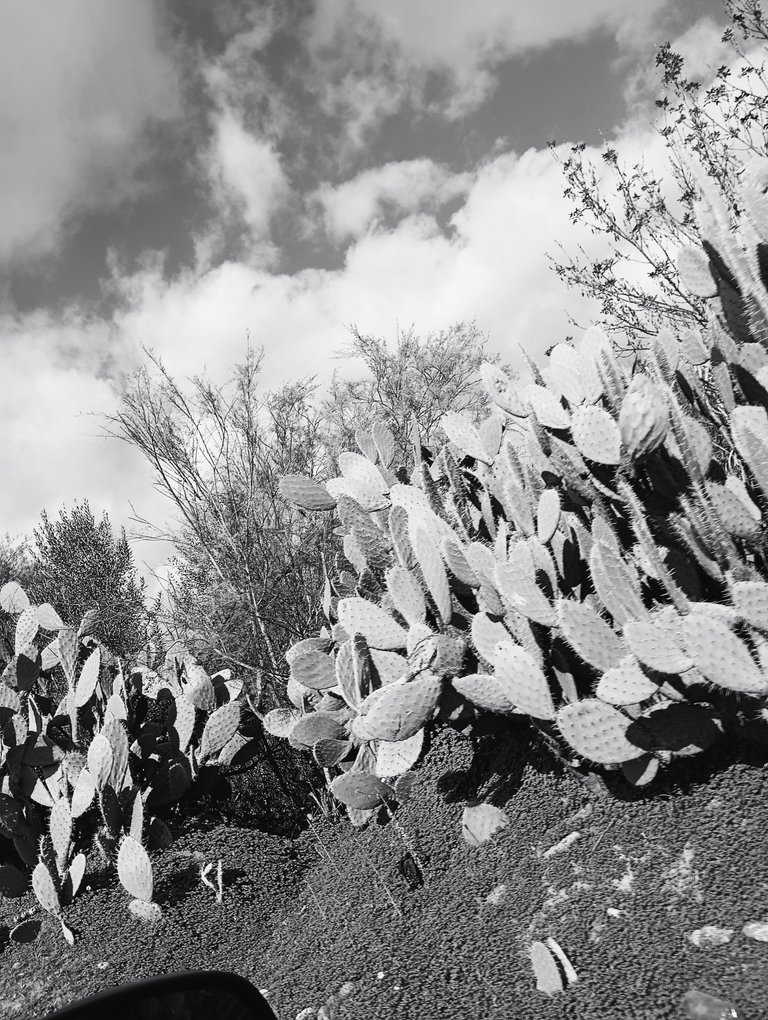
(490, 267)
(247, 178)
(353, 207)
(53, 451)
(390, 46)
(78, 83)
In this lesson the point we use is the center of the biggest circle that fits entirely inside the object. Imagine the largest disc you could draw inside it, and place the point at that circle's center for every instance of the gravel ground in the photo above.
(336, 918)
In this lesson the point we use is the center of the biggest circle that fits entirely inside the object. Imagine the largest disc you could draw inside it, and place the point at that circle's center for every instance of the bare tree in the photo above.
(720, 128)
(418, 377)
(248, 574)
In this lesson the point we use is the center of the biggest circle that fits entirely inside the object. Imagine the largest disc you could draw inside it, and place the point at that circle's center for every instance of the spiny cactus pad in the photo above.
(597, 731)
(750, 600)
(479, 822)
(314, 670)
(83, 793)
(545, 969)
(596, 434)
(589, 635)
(431, 563)
(220, 727)
(486, 691)
(45, 889)
(657, 643)
(462, 433)
(89, 677)
(360, 791)
(317, 726)
(359, 616)
(134, 869)
(644, 417)
(329, 751)
(525, 683)
(721, 656)
(547, 515)
(406, 594)
(625, 684)
(151, 913)
(13, 598)
(307, 493)
(100, 760)
(399, 710)
(27, 627)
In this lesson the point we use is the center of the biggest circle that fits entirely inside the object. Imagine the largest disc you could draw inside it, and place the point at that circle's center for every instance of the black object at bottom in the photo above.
(188, 995)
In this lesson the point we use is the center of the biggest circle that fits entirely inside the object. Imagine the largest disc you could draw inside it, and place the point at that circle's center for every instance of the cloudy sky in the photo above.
(179, 174)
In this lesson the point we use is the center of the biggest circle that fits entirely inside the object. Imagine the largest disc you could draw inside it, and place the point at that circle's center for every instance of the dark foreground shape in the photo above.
(198, 995)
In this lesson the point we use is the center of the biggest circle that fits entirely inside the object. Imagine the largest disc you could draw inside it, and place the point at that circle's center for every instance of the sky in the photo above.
(180, 175)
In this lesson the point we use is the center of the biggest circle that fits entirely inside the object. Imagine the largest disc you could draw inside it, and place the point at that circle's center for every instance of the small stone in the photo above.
(613, 912)
(710, 935)
(756, 930)
(495, 896)
(700, 1006)
(563, 845)
(380, 976)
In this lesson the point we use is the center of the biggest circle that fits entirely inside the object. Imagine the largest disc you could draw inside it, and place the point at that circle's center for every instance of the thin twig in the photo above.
(600, 837)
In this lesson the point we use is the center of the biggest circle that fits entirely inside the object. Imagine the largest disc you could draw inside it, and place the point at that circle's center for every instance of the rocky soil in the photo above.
(647, 893)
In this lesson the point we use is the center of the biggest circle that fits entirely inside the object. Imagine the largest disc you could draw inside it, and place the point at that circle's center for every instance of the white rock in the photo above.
(710, 935)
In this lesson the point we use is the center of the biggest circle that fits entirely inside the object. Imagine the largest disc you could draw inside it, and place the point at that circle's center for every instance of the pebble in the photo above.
(756, 930)
(710, 935)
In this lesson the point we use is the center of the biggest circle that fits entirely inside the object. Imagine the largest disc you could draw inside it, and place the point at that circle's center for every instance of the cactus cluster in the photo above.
(587, 556)
(101, 759)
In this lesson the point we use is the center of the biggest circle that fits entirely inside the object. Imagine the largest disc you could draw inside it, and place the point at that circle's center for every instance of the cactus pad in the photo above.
(625, 684)
(220, 727)
(399, 710)
(358, 616)
(750, 600)
(479, 822)
(100, 760)
(462, 433)
(314, 670)
(360, 791)
(393, 758)
(45, 889)
(589, 635)
(720, 655)
(643, 418)
(406, 595)
(492, 693)
(27, 627)
(317, 726)
(426, 551)
(89, 677)
(547, 515)
(134, 869)
(527, 686)
(307, 493)
(597, 731)
(596, 434)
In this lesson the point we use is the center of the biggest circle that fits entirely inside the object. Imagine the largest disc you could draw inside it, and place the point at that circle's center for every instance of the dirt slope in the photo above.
(336, 917)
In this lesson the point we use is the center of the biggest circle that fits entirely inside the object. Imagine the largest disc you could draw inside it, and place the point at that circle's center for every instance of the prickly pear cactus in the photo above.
(597, 548)
(96, 765)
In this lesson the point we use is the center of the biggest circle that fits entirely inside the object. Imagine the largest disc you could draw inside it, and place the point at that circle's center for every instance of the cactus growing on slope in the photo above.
(605, 559)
